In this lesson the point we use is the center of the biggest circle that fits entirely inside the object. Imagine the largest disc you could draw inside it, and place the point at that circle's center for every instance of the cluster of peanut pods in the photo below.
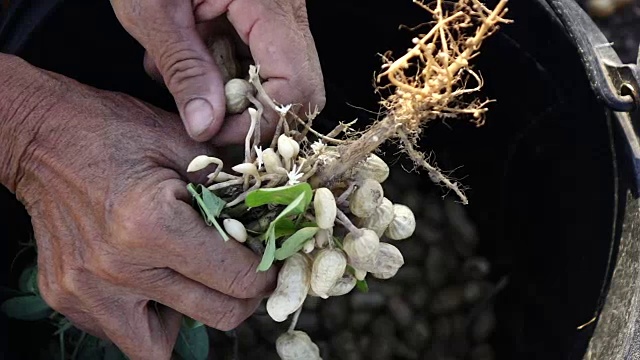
(330, 265)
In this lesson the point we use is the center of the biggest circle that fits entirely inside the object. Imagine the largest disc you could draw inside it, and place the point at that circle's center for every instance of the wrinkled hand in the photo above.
(103, 182)
(276, 31)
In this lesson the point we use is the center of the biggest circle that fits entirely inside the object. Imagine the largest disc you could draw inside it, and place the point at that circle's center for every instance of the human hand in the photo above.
(101, 175)
(276, 31)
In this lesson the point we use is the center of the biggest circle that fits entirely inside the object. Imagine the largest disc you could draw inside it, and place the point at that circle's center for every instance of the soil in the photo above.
(622, 28)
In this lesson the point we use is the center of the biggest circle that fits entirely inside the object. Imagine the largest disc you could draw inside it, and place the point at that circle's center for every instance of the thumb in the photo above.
(167, 30)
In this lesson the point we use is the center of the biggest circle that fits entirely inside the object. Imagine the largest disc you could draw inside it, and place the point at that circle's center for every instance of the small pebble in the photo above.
(312, 303)
(409, 275)
(476, 291)
(345, 346)
(417, 297)
(383, 326)
(418, 335)
(387, 288)
(266, 328)
(263, 352)
(447, 300)
(403, 351)
(475, 268)
(381, 348)
(367, 301)
(325, 349)
(247, 338)
(482, 352)
(360, 319)
(400, 310)
(428, 234)
(442, 328)
(483, 326)
(333, 312)
(460, 345)
(462, 230)
(364, 342)
(413, 252)
(432, 210)
(308, 322)
(439, 265)
(458, 324)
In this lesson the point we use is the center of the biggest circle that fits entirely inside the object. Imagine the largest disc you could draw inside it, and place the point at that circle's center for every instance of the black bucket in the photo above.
(551, 175)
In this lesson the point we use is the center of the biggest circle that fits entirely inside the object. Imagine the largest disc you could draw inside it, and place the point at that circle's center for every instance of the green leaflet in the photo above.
(190, 323)
(362, 285)
(269, 252)
(282, 195)
(192, 344)
(295, 242)
(29, 308)
(210, 205)
(296, 207)
(28, 281)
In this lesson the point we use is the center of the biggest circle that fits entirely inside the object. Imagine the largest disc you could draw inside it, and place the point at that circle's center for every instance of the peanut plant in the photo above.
(314, 203)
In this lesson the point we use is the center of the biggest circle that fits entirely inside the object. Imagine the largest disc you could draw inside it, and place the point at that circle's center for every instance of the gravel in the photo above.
(437, 307)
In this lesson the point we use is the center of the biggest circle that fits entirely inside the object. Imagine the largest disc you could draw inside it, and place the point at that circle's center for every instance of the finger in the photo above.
(280, 40)
(167, 30)
(197, 301)
(140, 329)
(206, 30)
(87, 323)
(235, 128)
(151, 69)
(198, 252)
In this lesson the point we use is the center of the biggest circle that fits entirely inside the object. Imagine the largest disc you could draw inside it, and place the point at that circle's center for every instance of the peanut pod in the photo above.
(293, 285)
(403, 224)
(366, 198)
(297, 345)
(380, 219)
(361, 248)
(328, 267)
(387, 262)
(343, 286)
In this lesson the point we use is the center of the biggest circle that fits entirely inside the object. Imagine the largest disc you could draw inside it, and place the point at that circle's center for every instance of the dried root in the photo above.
(430, 82)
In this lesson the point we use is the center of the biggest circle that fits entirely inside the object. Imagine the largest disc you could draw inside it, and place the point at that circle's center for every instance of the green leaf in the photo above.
(308, 224)
(284, 227)
(29, 308)
(282, 195)
(214, 204)
(269, 252)
(362, 285)
(189, 323)
(64, 325)
(28, 281)
(192, 344)
(90, 348)
(295, 242)
(296, 207)
(208, 214)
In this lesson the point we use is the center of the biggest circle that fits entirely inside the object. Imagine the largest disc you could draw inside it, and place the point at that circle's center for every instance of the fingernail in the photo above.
(198, 116)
